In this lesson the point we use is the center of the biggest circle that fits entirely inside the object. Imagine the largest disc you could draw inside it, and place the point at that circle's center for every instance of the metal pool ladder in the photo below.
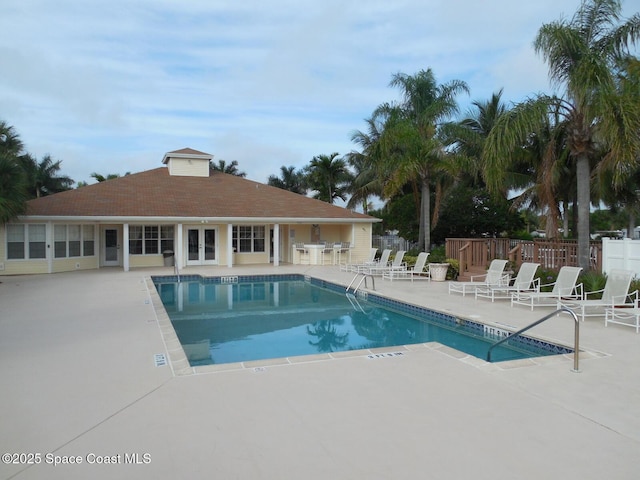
(363, 279)
(576, 346)
(353, 300)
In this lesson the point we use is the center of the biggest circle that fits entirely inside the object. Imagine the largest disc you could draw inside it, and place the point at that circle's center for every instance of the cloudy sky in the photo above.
(111, 86)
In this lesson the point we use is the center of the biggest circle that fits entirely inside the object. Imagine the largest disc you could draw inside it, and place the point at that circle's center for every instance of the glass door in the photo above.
(193, 247)
(209, 245)
(201, 246)
(111, 247)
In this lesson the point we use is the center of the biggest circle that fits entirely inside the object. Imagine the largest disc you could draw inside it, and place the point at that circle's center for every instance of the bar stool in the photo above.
(345, 248)
(327, 251)
(336, 253)
(303, 253)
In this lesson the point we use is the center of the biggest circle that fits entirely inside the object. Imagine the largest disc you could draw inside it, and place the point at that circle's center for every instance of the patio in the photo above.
(77, 364)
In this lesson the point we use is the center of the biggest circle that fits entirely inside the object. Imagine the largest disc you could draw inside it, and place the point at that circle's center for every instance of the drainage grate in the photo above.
(160, 359)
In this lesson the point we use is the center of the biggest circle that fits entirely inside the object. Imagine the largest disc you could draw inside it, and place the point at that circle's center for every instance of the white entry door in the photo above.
(201, 246)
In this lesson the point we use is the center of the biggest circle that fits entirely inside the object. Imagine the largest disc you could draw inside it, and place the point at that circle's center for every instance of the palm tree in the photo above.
(413, 142)
(626, 194)
(470, 134)
(42, 177)
(542, 171)
(12, 188)
(10, 143)
(231, 169)
(289, 179)
(328, 175)
(103, 178)
(12, 180)
(584, 56)
(366, 180)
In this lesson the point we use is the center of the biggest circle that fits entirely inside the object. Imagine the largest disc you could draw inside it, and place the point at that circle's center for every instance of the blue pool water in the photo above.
(230, 319)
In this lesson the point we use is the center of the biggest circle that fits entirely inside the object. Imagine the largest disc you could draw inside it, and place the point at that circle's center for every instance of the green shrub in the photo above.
(454, 268)
(437, 255)
(410, 260)
(546, 277)
(591, 282)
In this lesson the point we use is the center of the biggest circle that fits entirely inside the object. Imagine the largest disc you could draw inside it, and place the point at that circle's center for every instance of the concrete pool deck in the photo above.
(80, 384)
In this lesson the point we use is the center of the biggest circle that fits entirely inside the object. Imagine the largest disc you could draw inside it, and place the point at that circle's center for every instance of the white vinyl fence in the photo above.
(624, 253)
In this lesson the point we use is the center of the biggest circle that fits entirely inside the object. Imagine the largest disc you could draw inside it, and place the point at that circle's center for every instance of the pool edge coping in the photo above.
(180, 365)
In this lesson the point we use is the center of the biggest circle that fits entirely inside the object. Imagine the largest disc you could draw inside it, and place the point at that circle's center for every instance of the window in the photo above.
(88, 241)
(166, 238)
(15, 241)
(135, 240)
(26, 241)
(73, 241)
(249, 238)
(37, 241)
(150, 239)
(60, 241)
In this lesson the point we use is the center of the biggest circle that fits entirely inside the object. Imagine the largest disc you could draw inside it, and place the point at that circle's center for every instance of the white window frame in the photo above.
(28, 232)
(250, 233)
(82, 234)
(159, 239)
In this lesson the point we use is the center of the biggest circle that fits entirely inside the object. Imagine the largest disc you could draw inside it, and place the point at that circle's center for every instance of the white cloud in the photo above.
(110, 86)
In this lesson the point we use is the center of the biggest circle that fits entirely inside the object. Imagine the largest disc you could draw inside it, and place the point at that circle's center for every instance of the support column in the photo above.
(230, 245)
(178, 253)
(276, 244)
(125, 247)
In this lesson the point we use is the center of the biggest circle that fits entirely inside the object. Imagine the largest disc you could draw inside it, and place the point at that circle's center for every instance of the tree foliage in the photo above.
(231, 168)
(585, 56)
(329, 177)
(289, 179)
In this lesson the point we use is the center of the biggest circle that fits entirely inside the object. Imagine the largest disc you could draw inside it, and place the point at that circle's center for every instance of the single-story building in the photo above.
(183, 212)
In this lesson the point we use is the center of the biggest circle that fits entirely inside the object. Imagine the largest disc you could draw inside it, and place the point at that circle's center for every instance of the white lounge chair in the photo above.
(417, 272)
(397, 265)
(614, 294)
(564, 287)
(377, 266)
(353, 267)
(629, 317)
(522, 282)
(494, 276)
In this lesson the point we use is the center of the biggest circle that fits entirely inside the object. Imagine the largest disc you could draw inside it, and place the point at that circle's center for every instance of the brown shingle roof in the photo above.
(154, 193)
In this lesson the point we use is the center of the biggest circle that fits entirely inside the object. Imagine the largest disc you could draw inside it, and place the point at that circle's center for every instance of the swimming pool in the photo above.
(238, 319)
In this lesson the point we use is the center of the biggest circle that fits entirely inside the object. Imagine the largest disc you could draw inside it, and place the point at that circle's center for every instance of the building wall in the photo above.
(186, 167)
(141, 261)
(251, 258)
(74, 263)
(359, 235)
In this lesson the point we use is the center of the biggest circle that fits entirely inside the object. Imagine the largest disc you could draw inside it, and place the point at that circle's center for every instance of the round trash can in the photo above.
(168, 258)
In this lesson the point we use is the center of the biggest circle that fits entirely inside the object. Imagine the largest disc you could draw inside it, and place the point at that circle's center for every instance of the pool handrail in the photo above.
(576, 347)
(364, 278)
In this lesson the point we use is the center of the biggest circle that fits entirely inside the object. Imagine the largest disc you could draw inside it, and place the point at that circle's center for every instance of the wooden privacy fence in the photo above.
(475, 254)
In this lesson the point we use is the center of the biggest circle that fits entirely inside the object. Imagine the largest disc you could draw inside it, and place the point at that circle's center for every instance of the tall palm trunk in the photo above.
(583, 175)
(425, 217)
